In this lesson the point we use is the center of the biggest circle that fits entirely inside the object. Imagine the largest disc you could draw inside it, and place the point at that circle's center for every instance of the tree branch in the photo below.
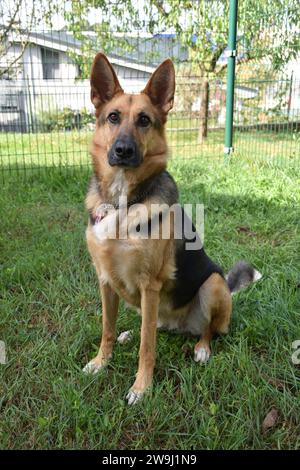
(5, 70)
(10, 24)
(159, 5)
(217, 54)
(24, 41)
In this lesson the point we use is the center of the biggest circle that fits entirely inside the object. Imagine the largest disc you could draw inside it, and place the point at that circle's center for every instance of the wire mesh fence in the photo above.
(47, 119)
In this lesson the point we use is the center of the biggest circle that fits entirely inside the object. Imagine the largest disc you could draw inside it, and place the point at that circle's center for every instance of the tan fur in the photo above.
(216, 302)
(140, 271)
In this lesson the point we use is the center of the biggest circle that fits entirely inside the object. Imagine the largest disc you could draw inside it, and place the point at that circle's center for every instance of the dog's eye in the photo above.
(113, 118)
(144, 121)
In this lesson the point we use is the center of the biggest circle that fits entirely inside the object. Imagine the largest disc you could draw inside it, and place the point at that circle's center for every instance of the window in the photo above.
(9, 103)
(50, 62)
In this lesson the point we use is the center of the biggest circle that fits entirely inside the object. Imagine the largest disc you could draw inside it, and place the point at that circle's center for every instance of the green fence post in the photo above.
(233, 8)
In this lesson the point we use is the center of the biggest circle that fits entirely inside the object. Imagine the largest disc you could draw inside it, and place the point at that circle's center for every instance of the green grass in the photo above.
(26, 151)
(50, 321)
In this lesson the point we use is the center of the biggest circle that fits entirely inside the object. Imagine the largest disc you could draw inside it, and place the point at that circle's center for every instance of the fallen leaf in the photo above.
(247, 231)
(270, 420)
(243, 229)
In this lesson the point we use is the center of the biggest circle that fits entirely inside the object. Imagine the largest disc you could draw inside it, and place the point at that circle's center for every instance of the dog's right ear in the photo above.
(104, 81)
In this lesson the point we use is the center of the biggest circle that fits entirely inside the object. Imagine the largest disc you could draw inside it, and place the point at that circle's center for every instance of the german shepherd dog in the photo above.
(172, 287)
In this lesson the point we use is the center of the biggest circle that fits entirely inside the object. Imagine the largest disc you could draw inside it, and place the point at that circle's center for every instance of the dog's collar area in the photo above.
(144, 190)
(102, 212)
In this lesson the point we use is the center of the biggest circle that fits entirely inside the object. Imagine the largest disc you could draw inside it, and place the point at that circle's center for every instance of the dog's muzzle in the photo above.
(125, 152)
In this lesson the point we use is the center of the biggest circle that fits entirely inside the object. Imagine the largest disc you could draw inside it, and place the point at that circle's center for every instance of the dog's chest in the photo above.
(128, 264)
(119, 261)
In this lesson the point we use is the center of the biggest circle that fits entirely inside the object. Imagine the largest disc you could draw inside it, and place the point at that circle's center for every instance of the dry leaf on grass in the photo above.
(247, 231)
(270, 420)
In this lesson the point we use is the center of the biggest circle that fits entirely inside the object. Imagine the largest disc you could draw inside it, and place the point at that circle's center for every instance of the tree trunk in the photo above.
(203, 115)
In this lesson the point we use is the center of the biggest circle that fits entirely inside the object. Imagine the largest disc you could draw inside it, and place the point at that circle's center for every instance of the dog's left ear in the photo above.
(161, 86)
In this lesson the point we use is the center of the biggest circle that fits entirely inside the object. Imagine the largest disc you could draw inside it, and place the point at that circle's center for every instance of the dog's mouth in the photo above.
(125, 153)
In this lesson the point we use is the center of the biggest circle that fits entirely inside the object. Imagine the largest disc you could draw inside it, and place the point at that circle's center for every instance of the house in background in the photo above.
(46, 79)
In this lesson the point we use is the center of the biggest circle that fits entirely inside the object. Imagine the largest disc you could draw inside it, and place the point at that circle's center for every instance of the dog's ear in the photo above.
(104, 81)
(161, 86)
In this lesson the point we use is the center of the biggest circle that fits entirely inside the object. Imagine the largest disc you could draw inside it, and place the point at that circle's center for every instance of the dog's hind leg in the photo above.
(216, 307)
(110, 304)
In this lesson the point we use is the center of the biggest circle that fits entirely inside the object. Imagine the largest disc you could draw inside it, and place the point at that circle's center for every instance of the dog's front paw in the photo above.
(94, 366)
(134, 396)
(202, 354)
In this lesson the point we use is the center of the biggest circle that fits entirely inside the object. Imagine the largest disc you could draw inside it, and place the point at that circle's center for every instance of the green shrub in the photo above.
(66, 119)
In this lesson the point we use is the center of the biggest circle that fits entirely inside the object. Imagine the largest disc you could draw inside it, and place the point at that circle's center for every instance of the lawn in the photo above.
(25, 151)
(51, 315)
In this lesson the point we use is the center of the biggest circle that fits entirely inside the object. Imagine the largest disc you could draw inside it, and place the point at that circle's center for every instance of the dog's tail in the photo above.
(241, 276)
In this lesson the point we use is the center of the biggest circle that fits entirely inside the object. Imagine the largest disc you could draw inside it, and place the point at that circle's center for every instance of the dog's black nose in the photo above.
(125, 152)
(124, 148)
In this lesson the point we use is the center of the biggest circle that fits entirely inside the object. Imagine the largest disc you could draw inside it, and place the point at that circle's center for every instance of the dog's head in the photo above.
(130, 128)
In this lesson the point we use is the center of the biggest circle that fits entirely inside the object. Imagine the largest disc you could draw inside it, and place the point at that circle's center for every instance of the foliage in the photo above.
(270, 105)
(65, 119)
(266, 29)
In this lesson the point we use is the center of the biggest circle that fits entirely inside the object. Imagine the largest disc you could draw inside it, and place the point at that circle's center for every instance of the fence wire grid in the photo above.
(47, 119)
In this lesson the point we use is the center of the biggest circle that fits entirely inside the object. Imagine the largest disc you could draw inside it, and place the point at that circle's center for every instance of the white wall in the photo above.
(32, 63)
(68, 70)
(59, 94)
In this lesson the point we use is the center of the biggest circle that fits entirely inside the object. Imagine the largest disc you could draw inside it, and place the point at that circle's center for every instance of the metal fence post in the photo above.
(233, 8)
